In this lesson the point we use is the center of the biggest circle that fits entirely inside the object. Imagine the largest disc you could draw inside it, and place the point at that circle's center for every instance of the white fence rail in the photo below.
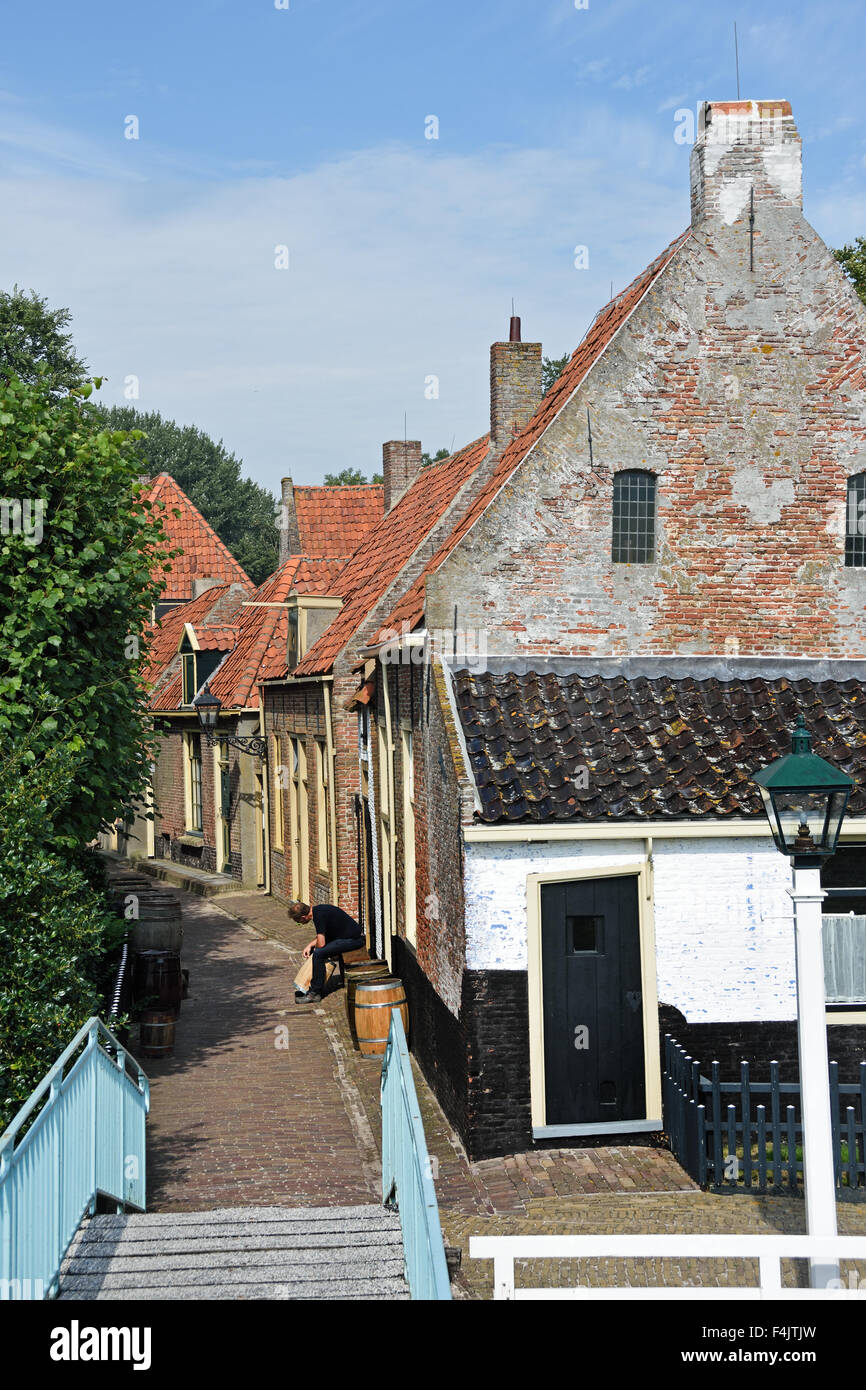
(767, 1251)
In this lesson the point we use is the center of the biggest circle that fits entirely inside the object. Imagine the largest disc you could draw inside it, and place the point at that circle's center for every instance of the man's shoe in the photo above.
(310, 998)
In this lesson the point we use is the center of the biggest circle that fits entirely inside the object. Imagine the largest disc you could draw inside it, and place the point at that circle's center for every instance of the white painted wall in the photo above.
(723, 920)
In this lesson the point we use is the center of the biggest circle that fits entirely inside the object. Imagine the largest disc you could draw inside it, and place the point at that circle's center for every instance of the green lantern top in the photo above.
(805, 799)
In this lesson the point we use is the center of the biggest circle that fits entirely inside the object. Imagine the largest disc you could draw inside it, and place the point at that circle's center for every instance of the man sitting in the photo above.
(336, 932)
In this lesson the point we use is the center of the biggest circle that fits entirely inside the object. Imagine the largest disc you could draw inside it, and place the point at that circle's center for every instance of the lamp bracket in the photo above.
(247, 743)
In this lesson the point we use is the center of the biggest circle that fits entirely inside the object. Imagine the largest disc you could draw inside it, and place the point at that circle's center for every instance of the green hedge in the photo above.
(57, 935)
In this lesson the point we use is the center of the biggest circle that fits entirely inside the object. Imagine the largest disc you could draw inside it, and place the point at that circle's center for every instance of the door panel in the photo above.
(592, 1001)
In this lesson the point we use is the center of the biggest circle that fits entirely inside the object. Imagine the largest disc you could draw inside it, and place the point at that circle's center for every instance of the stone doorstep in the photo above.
(198, 881)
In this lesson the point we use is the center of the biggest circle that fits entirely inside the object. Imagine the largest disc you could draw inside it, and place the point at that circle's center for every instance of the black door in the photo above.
(593, 1001)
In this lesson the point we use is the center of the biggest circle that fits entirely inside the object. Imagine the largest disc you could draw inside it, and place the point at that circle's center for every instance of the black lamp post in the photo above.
(207, 707)
(805, 799)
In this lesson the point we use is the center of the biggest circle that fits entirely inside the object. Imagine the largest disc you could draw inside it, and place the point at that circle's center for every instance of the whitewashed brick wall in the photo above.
(723, 920)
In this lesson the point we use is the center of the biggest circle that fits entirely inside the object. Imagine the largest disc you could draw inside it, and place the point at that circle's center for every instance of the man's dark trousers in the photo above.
(331, 948)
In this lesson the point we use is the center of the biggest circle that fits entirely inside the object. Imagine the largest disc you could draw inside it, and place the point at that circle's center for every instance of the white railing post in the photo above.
(503, 1277)
(819, 1174)
(770, 1272)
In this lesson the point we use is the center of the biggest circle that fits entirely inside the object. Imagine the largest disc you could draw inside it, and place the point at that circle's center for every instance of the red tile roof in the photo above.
(261, 642)
(378, 560)
(204, 555)
(410, 608)
(162, 668)
(211, 638)
(334, 520)
(251, 631)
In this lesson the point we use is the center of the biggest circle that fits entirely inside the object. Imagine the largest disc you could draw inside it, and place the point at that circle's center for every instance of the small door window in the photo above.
(584, 934)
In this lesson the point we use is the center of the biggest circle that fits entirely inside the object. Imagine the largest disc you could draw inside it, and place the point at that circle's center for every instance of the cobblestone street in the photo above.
(238, 1120)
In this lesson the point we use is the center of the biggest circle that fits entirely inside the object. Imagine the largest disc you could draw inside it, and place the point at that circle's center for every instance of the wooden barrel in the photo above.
(159, 926)
(356, 973)
(125, 884)
(374, 1000)
(157, 982)
(156, 1033)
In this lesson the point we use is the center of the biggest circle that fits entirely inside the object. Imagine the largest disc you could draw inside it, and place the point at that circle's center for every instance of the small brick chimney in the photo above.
(290, 539)
(515, 387)
(743, 146)
(401, 462)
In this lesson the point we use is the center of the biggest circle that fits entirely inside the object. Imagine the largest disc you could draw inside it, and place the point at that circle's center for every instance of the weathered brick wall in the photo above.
(744, 392)
(729, 1044)
(441, 942)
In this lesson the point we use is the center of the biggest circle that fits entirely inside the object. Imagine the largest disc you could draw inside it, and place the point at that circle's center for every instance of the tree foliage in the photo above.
(427, 459)
(551, 369)
(350, 477)
(242, 513)
(852, 259)
(56, 933)
(80, 560)
(34, 344)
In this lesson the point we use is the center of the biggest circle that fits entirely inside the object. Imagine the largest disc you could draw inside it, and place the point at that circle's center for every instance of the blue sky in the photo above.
(304, 127)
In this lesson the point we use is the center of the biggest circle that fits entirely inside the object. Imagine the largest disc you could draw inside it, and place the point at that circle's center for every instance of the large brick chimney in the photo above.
(515, 387)
(747, 153)
(401, 461)
(290, 540)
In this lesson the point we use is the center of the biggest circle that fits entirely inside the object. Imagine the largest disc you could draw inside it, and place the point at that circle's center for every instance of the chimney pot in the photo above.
(514, 330)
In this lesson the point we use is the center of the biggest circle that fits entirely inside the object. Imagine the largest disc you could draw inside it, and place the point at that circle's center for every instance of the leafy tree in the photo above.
(34, 344)
(852, 259)
(427, 459)
(551, 369)
(80, 560)
(55, 929)
(242, 513)
(350, 477)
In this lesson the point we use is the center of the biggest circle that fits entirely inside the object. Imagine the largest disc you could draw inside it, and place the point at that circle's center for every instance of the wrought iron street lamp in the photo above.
(207, 707)
(805, 799)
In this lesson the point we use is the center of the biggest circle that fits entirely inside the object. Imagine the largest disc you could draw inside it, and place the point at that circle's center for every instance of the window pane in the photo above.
(634, 515)
(195, 781)
(855, 529)
(584, 933)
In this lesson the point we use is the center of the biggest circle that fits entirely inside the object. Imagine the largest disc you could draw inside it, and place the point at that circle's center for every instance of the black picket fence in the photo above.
(746, 1135)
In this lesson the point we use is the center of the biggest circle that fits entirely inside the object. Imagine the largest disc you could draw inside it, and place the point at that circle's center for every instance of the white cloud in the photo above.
(403, 262)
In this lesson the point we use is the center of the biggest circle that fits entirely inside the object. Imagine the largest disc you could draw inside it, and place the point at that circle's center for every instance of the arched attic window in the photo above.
(634, 517)
(855, 528)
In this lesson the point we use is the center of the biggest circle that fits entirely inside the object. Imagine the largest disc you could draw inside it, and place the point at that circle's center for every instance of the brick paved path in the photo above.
(312, 1117)
(235, 1120)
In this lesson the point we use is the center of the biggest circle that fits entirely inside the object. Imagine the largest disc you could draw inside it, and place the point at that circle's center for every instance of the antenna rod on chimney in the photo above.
(737, 59)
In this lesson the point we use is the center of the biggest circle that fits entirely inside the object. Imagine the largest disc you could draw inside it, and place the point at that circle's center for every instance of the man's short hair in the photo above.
(298, 911)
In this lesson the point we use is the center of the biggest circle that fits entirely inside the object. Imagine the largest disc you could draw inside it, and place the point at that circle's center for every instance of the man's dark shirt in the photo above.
(334, 924)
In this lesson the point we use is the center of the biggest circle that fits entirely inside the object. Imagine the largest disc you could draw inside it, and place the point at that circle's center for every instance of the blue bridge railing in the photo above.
(79, 1136)
(407, 1178)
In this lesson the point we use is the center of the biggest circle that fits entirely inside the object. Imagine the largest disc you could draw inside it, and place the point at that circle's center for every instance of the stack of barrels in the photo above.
(371, 993)
(155, 939)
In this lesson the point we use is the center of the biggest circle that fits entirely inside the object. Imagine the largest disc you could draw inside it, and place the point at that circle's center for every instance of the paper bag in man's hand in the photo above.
(304, 977)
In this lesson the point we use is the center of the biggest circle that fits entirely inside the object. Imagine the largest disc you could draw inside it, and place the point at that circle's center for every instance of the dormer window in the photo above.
(855, 529)
(634, 517)
(189, 682)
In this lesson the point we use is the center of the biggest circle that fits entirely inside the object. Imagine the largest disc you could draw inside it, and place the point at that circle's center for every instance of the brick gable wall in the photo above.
(746, 396)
